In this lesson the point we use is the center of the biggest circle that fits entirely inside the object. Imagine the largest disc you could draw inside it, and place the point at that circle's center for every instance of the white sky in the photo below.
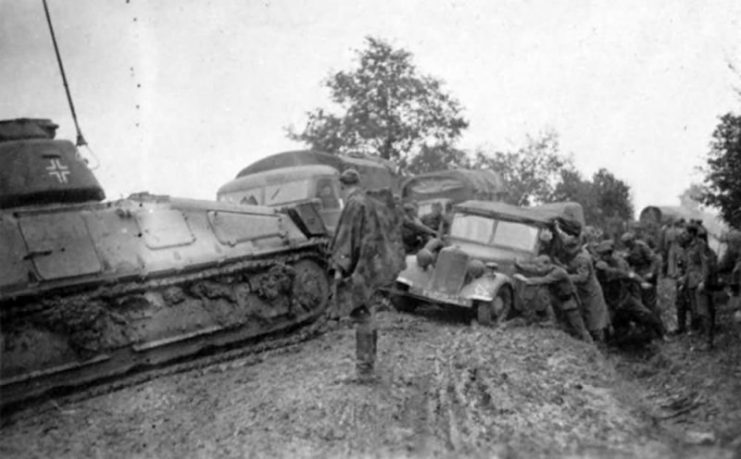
(176, 96)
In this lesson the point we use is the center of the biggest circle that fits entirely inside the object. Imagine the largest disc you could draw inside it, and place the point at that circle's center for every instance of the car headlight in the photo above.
(475, 269)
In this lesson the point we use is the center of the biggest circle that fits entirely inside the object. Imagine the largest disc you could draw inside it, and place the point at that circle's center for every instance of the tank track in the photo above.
(246, 355)
(205, 286)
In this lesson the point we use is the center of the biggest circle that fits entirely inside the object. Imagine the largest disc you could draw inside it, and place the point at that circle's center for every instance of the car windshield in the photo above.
(272, 195)
(475, 228)
(516, 235)
(472, 228)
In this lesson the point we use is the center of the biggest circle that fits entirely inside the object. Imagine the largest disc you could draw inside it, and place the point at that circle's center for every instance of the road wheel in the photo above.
(403, 303)
(488, 311)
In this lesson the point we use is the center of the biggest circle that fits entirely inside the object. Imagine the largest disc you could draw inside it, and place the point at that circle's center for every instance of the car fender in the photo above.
(414, 275)
(486, 287)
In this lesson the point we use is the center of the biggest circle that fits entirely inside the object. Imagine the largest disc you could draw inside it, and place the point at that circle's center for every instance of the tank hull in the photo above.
(94, 290)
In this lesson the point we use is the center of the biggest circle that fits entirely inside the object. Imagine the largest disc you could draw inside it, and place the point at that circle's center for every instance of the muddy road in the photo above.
(446, 389)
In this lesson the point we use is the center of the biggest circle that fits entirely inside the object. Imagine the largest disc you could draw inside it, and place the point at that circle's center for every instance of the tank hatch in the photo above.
(36, 169)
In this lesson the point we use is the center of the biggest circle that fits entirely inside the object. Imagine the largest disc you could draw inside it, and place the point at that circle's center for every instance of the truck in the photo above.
(306, 175)
(451, 187)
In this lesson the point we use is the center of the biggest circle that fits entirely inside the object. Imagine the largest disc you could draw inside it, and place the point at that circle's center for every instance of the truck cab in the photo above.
(284, 186)
(298, 176)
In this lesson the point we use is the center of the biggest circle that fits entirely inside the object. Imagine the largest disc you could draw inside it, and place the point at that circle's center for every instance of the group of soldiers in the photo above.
(604, 294)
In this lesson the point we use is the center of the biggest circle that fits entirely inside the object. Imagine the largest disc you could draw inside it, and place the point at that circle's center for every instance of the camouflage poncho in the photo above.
(367, 247)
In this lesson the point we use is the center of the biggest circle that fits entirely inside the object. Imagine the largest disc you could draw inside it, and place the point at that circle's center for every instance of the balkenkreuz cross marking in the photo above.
(58, 170)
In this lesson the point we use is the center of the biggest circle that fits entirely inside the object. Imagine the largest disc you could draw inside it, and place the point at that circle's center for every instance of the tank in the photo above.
(92, 289)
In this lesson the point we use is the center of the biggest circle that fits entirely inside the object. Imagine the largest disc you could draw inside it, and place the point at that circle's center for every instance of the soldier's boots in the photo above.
(576, 325)
(366, 340)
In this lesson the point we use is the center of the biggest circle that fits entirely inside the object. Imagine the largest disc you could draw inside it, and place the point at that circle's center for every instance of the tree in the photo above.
(530, 173)
(691, 198)
(385, 108)
(438, 158)
(613, 196)
(573, 187)
(723, 175)
(605, 199)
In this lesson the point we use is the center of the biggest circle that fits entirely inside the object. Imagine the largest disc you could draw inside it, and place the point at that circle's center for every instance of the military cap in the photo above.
(628, 237)
(605, 246)
(349, 177)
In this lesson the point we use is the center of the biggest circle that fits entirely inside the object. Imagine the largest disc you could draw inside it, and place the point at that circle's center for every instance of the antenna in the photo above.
(80, 139)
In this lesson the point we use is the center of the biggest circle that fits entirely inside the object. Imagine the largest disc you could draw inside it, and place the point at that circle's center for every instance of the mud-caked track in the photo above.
(109, 331)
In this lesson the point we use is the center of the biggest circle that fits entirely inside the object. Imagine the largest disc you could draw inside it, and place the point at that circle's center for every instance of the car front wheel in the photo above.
(402, 302)
(488, 311)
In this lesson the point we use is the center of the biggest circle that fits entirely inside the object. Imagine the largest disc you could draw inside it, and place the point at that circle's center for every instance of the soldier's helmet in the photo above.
(628, 237)
(542, 260)
(349, 177)
(604, 247)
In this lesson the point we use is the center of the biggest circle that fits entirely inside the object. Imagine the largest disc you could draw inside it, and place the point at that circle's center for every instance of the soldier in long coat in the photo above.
(700, 281)
(367, 253)
(580, 267)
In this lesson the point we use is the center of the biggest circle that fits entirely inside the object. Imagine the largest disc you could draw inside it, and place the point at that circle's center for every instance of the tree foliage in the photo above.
(723, 175)
(530, 173)
(385, 107)
(605, 198)
(538, 173)
(691, 197)
(438, 158)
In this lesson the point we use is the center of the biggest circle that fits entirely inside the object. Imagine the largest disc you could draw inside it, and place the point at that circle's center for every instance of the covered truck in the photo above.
(306, 175)
(451, 187)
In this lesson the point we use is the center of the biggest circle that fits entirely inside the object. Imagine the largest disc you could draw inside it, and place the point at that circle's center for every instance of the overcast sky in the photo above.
(176, 96)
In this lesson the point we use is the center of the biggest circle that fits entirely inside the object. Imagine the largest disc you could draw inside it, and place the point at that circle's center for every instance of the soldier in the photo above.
(622, 292)
(581, 272)
(646, 264)
(700, 280)
(367, 253)
(414, 233)
(435, 219)
(672, 249)
(682, 301)
(562, 292)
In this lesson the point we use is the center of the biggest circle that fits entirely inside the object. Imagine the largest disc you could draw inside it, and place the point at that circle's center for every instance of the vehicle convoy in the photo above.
(305, 175)
(92, 289)
(473, 268)
(451, 187)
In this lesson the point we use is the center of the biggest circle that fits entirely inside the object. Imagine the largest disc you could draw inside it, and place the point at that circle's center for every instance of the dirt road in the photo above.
(446, 388)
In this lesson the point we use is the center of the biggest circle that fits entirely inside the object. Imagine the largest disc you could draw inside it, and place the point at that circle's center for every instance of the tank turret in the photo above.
(36, 169)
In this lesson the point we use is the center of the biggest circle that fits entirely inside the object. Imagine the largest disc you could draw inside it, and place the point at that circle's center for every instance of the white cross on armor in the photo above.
(58, 170)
